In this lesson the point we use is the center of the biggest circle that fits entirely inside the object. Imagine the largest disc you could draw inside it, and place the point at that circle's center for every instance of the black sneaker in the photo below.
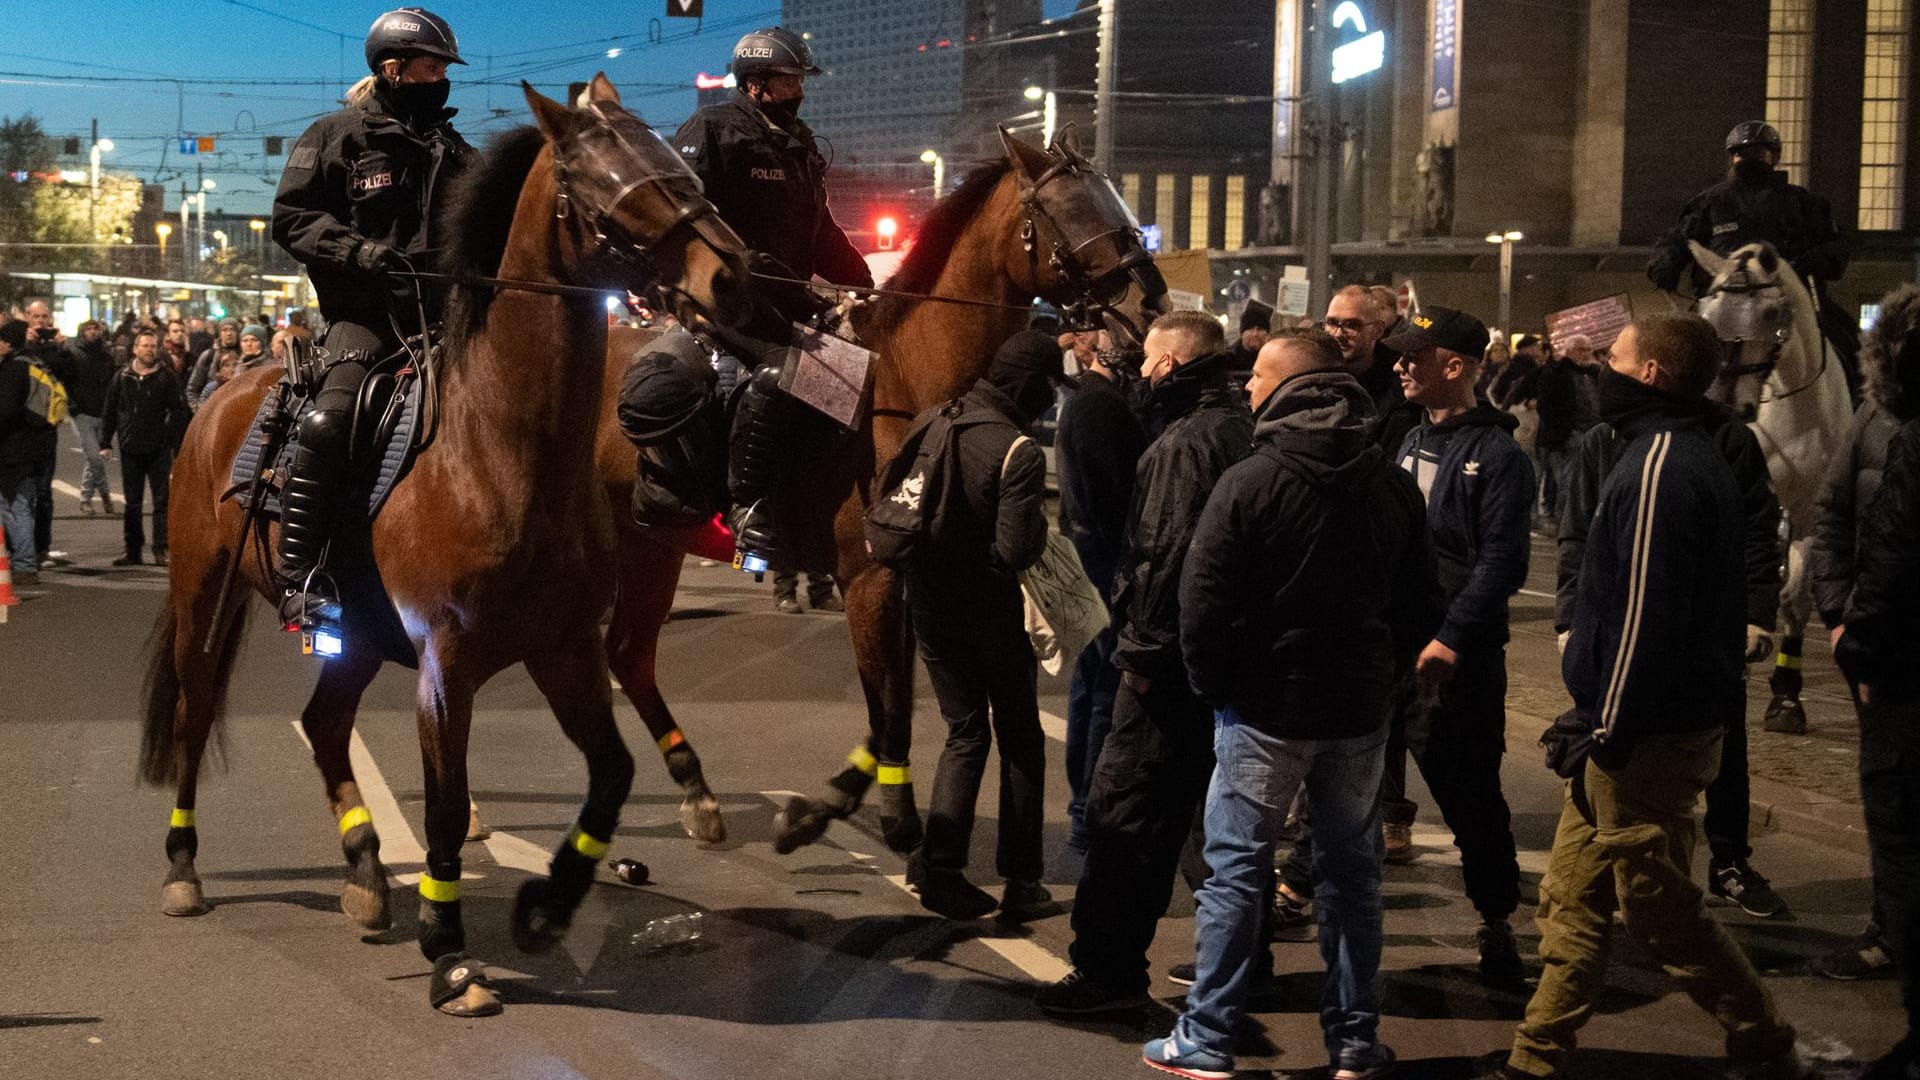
(128, 560)
(160, 558)
(1862, 958)
(1741, 885)
(1080, 995)
(1290, 916)
(1027, 901)
(1499, 953)
(948, 893)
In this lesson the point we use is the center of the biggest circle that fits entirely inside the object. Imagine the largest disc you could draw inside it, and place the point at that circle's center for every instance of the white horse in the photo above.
(1785, 380)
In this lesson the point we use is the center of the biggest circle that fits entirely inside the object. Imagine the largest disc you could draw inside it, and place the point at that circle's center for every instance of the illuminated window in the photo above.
(1236, 228)
(1130, 191)
(1789, 58)
(1883, 114)
(1197, 210)
(1163, 205)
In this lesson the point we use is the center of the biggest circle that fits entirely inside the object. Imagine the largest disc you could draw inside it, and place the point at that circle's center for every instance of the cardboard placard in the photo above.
(828, 373)
(1600, 320)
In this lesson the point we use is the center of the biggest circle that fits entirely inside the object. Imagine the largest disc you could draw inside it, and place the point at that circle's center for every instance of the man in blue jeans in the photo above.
(1309, 586)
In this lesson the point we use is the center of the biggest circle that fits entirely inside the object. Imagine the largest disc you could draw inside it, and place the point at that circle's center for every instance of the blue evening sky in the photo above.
(243, 69)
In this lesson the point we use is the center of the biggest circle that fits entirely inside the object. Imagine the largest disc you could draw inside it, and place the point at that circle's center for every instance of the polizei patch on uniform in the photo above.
(767, 174)
(373, 181)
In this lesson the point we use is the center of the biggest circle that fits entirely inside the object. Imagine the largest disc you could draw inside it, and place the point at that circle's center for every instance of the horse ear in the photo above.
(1066, 141)
(601, 89)
(1711, 263)
(553, 118)
(1031, 161)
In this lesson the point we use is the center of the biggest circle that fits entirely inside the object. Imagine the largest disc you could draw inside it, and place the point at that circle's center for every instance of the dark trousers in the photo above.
(1151, 778)
(983, 672)
(137, 472)
(1890, 798)
(1089, 718)
(1458, 742)
(1728, 797)
(42, 479)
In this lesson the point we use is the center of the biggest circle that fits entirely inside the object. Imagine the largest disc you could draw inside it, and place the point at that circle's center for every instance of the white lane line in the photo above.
(1055, 727)
(511, 851)
(1538, 595)
(398, 844)
(65, 488)
(1441, 852)
(1022, 952)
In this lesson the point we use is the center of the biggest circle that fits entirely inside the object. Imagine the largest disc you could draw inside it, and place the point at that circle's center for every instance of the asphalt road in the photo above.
(817, 964)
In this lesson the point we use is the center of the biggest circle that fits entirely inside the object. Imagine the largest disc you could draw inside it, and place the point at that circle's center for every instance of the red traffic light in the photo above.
(886, 229)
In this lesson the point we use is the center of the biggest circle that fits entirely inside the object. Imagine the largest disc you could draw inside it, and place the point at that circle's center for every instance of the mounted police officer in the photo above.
(764, 172)
(1755, 203)
(355, 205)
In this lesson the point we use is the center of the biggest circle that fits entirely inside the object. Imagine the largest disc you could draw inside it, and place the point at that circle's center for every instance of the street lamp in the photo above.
(100, 146)
(259, 228)
(162, 230)
(1506, 240)
(939, 164)
(1049, 113)
(220, 237)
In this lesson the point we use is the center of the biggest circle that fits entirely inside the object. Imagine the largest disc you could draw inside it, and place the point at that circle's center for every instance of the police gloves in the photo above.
(377, 257)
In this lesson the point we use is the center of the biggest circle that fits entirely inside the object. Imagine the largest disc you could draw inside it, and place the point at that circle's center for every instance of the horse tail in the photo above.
(158, 763)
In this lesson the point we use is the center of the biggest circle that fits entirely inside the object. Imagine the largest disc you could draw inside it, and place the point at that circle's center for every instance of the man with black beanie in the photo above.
(963, 595)
(1255, 327)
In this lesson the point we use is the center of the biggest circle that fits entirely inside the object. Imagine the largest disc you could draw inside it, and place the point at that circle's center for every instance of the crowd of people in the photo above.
(131, 387)
(1307, 539)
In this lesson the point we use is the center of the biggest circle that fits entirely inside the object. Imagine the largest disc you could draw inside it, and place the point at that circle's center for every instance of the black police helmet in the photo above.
(1753, 133)
(411, 30)
(772, 51)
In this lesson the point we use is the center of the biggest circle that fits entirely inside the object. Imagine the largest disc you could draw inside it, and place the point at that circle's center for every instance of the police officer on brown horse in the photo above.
(355, 206)
(764, 172)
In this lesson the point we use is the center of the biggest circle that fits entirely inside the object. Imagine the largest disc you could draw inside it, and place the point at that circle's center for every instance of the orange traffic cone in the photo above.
(7, 599)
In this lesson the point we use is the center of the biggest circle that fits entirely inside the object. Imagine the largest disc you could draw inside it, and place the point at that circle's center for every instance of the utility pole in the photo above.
(1324, 122)
(93, 194)
(1103, 87)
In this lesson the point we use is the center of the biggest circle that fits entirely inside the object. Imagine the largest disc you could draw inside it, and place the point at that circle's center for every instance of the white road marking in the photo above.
(1538, 595)
(511, 851)
(65, 488)
(1531, 861)
(1054, 726)
(398, 844)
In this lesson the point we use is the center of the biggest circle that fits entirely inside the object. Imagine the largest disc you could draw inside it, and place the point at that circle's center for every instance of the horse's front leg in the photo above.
(445, 718)
(1785, 714)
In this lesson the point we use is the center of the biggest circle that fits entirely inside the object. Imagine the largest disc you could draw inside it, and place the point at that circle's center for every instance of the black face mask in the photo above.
(781, 113)
(420, 101)
(1751, 168)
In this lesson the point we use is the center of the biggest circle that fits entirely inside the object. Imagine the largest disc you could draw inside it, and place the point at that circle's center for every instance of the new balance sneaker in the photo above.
(1376, 1060)
(1499, 953)
(1398, 842)
(1865, 957)
(1176, 1055)
(1080, 994)
(1741, 885)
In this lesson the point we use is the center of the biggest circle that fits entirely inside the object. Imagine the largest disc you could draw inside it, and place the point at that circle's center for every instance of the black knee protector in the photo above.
(762, 436)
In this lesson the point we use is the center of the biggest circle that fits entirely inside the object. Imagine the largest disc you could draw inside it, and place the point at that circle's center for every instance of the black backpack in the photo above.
(910, 490)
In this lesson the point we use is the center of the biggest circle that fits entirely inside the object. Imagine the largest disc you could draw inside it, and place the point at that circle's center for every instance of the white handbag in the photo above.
(1064, 610)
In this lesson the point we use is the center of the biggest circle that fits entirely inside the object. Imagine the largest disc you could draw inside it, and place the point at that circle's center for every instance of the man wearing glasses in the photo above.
(1357, 320)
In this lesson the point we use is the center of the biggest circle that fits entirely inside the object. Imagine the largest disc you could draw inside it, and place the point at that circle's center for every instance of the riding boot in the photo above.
(308, 505)
(760, 467)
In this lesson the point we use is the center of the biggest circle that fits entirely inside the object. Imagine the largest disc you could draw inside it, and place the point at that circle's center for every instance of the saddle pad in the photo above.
(395, 452)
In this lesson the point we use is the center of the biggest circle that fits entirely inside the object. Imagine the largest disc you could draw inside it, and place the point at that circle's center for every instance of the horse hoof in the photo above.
(475, 830)
(366, 906)
(536, 929)
(700, 816)
(801, 823)
(476, 1002)
(183, 898)
(1786, 716)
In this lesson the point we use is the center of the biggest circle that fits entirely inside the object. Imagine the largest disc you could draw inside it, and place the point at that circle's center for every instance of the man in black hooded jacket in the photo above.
(963, 595)
(1155, 765)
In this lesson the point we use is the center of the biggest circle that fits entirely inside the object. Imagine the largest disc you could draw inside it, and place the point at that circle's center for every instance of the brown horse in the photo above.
(1037, 223)
(497, 547)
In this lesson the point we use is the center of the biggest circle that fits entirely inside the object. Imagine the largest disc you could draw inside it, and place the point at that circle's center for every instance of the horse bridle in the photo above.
(1087, 303)
(1738, 283)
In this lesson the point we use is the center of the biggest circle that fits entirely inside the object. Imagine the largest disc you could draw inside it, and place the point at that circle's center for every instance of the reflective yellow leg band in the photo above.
(860, 758)
(440, 892)
(1785, 661)
(670, 740)
(354, 817)
(585, 844)
(894, 774)
(182, 819)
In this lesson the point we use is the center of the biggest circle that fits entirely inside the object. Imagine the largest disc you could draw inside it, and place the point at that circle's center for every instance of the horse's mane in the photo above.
(475, 220)
(939, 231)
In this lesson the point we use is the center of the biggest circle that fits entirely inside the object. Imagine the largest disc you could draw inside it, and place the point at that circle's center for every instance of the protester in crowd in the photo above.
(146, 412)
(282, 341)
(1556, 396)
(19, 450)
(1308, 587)
(199, 337)
(1453, 716)
(225, 367)
(1098, 443)
(1153, 768)
(820, 593)
(1078, 350)
(1837, 559)
(88, 369)
(47, 347)
(226, 336)
(174, 350)
(970, 621)
(1850, 485)
(1514, 387)
(297, 324)
(254, 347)
(1388, 302)
(1492, 363)
(1586, 389)
(1731, 878)
(1654, 665)
(1255, 325)
(1357, 322)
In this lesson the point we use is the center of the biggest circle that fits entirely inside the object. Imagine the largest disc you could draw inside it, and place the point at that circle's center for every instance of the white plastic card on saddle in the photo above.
(829, 373)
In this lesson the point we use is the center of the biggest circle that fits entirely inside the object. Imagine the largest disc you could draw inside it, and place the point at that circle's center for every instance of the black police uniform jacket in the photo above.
(770, 185)
(364, 174)
(1735, 212)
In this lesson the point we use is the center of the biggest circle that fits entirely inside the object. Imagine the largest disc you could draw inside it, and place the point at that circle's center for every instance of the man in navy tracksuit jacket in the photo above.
(1655, 661)
(1453, 716)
